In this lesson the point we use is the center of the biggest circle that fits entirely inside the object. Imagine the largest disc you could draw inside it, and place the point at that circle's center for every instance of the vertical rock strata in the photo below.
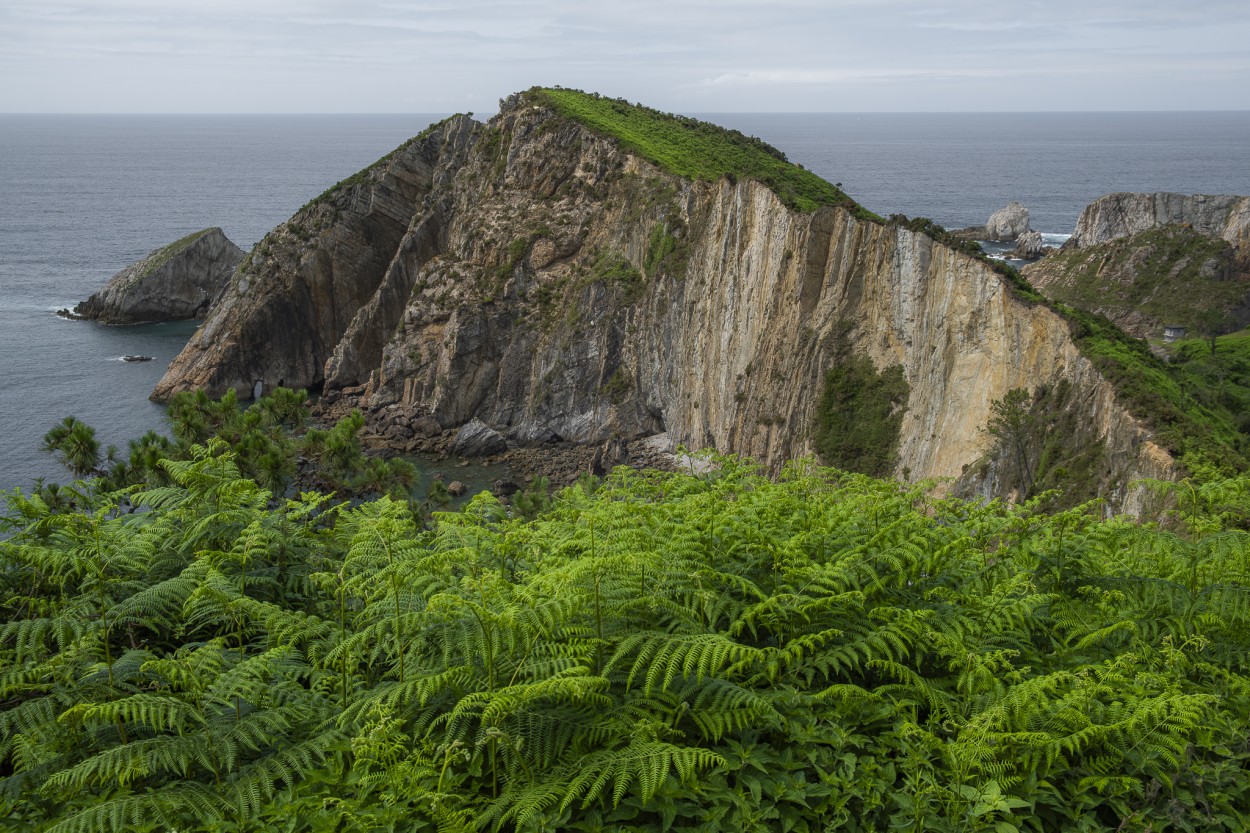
(531, 274)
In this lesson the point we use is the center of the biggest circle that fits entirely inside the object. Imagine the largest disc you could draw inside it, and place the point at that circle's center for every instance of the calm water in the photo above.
(83, 196)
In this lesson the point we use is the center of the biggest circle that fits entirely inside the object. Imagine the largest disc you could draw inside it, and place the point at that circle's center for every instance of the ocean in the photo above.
(81, 197)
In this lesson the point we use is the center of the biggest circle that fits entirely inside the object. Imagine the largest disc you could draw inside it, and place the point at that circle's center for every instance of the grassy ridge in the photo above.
(698, 150)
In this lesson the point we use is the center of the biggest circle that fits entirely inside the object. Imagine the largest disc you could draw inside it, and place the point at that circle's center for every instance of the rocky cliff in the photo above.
(173, 283)
(293, 297)
(543, 276)
(1122, 214)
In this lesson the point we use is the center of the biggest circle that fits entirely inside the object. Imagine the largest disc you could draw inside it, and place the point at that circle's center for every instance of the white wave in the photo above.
(1054, 238)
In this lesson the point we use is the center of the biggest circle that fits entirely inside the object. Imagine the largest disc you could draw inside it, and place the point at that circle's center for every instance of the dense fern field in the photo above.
(819, 652)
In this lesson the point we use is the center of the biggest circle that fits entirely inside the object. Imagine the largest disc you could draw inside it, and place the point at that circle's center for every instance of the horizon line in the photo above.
(691, 112)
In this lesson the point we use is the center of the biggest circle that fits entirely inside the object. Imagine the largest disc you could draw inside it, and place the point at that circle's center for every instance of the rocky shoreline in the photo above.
(396, 430)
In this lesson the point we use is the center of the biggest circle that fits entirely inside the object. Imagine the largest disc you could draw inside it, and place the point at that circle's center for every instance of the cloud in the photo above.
(689, 55)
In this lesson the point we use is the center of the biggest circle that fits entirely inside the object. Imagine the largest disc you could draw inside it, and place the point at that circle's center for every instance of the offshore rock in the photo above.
(172, 283)
(532, 275)
(1007, 223)
(1029, 246)
(1123, 214)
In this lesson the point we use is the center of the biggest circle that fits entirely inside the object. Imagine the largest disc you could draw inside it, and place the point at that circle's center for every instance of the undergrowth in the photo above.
(659, 652)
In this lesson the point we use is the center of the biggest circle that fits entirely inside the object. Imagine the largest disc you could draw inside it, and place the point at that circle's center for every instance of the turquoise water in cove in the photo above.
(83, 196)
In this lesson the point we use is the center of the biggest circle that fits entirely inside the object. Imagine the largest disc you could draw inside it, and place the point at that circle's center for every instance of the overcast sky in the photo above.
(694, 56)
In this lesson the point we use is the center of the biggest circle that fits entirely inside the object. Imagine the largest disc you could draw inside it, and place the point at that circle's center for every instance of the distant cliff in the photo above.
(560, 275)
(1123, 214)
(171, 283)
(1149, 261)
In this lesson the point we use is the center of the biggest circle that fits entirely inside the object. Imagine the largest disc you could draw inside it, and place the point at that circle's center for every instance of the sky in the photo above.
(692, 56)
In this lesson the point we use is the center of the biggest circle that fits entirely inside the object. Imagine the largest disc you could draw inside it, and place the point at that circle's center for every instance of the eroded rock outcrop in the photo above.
(558, 289)
(172, 283)
(293, 298)
(1123, 214)
(1007, 223)
(1030, 246)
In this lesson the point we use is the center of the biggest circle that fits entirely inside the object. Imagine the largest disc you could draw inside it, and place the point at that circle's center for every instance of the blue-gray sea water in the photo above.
(83, 196)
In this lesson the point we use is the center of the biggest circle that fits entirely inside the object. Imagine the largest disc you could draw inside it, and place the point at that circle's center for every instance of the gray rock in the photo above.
(1215, 269)
(477, 439)
(426, 427)
(1008, 223)
(455, 488)
(1029, 246)
(173, 283)
(1122, 214)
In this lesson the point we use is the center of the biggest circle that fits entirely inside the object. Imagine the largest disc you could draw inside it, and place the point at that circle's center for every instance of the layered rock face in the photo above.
(553, 286)
(293, 297)
(1147, 261)
(173, 283)
(1123, 214)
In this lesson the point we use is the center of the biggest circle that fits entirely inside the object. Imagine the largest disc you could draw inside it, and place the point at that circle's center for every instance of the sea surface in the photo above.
(81, 197)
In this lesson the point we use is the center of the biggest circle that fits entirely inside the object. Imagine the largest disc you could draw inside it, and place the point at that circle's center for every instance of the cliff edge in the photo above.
(1122, 214)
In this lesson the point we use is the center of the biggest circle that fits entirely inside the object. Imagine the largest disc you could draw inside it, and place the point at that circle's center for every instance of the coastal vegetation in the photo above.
(655, 651)
(1169, 275)
(860, 415)
(272, 443)
(697, 150)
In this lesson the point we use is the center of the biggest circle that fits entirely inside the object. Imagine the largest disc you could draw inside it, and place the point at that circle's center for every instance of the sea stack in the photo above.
(172, 283)
(1007, 223)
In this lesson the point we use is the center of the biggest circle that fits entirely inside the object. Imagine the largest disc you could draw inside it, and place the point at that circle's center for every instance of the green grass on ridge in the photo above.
(698, 150)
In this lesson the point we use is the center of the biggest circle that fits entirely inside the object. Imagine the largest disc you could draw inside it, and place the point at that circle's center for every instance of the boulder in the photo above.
(1029, 246)
(455, 488)
(172, 283)
(477, 439)
(1007, 223)
(426, 427)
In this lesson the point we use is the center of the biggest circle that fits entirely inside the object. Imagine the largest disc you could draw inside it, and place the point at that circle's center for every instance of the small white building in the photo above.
(1171, 334)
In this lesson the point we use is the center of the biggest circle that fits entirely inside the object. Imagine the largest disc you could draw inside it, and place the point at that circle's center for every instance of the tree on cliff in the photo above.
(1013, 423)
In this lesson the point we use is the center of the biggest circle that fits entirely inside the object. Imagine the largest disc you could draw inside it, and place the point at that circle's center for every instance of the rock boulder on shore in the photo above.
(172, 283)
(477, 439)
(1029, 246)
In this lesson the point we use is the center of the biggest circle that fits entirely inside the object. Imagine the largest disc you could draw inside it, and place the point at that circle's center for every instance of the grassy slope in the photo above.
(1176, 404)
(1153, 275)
(698, 150)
